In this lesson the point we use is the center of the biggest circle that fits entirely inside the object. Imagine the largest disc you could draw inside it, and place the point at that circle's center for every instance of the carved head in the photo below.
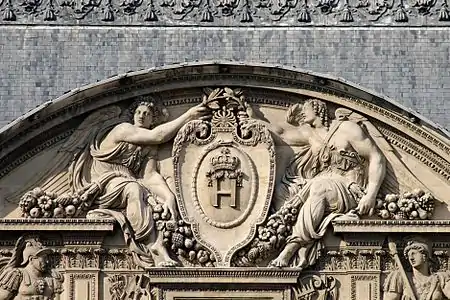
(35, 254)
(40, 261)
(146, 114)
(314, 110)
(417, 253)
(39, 286)
(143, 115)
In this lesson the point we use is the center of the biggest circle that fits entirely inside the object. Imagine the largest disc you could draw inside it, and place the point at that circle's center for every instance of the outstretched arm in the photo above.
(294, 136)
(365, 147)
(141, 136)
(154, 182)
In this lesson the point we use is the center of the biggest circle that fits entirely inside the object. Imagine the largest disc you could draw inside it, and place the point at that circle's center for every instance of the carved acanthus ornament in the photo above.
(178, 9)
(130, 287)
(79, 9)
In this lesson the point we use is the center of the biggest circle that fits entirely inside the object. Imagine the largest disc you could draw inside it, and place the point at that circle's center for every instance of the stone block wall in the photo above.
(41, 62)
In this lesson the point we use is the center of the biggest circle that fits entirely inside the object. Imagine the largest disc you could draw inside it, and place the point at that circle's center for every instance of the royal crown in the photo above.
(224, 161)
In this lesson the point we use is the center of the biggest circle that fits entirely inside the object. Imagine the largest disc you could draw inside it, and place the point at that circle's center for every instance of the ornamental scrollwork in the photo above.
(131, 287)
(225, 12)
(79, 9)
(316, 287)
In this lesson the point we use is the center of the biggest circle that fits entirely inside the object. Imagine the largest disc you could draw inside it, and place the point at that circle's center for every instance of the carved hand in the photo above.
(366, 205)
(171, 207)
(199, 111)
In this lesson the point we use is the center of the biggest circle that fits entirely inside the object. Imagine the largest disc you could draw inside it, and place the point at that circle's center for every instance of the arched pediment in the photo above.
(224, 167)
(177, 86)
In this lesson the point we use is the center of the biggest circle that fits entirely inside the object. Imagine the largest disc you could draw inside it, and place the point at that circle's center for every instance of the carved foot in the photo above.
(162, 258)
(285, 256)
(279, 262)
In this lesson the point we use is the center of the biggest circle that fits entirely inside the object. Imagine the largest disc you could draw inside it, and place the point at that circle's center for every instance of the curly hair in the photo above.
(141, 102)
(294, 114)
(424, 247)
(320, 109)
(415, 245)
(160, 114)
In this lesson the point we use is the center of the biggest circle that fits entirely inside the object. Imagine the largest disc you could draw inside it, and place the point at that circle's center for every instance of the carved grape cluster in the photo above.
(178, 237)
(416, 205)
(271, 236)
(38, 203)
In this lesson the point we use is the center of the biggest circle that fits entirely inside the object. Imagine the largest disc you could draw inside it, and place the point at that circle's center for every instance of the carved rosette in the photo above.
(224, 172)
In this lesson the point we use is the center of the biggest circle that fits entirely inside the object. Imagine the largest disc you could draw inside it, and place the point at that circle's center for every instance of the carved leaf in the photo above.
(229, 91)
(213, 94)
(213, 105)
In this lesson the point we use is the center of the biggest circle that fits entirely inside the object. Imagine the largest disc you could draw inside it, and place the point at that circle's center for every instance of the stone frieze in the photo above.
(240, 13)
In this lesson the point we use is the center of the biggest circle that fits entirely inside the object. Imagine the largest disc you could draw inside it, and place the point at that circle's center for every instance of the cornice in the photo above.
(79, 225)
(224, 275)
(393, 226)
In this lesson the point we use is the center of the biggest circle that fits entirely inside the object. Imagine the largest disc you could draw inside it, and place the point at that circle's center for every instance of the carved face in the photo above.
(143, 116)
(39, 262)
(416, 258)
(308, 113)
(203, 133)
(40, 286)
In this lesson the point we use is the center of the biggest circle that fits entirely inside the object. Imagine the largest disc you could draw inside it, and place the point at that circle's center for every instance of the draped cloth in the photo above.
(432, 289)
(122, 195)
(309, 174)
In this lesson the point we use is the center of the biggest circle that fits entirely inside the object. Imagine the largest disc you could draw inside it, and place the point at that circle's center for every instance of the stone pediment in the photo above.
(225, 167)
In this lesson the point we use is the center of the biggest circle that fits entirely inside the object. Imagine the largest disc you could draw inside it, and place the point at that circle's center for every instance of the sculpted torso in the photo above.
(342, 171)
(348, 136)
(33, 279)
(342, 138)
(128, 154)
(148, 152)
